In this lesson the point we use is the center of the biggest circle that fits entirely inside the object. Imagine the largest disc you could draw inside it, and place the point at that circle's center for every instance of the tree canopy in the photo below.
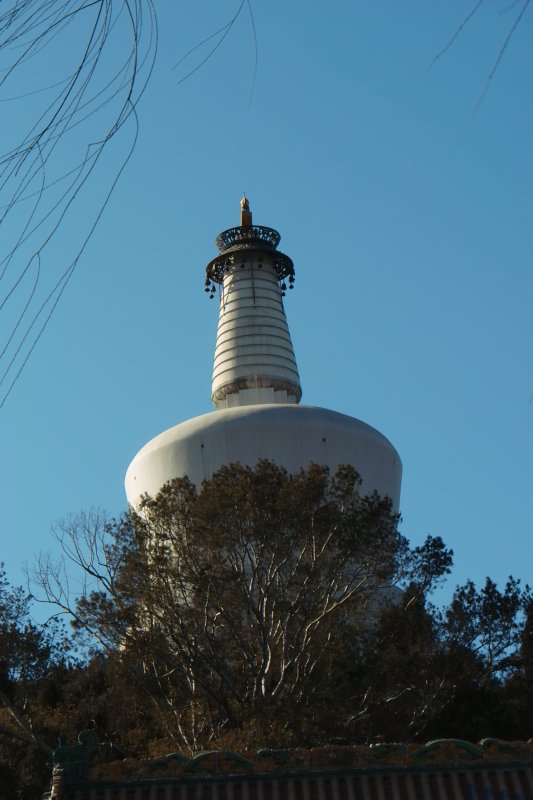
(265, 609)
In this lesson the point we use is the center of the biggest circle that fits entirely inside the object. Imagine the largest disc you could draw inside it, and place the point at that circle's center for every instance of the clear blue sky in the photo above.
(407, 214)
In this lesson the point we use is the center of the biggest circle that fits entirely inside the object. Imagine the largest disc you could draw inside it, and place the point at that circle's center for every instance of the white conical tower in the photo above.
(254, 357)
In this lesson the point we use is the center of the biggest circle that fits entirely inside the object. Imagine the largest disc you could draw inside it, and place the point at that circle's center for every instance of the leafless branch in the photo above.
(29, 736)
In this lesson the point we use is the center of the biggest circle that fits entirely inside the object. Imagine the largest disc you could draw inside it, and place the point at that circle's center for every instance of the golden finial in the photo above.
(246, 214)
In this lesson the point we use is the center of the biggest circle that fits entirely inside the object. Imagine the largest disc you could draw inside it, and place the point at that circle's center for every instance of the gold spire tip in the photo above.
(246, 214)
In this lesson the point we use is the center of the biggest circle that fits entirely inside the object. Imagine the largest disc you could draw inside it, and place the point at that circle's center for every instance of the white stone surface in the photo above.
(254, 351)
(290, 435)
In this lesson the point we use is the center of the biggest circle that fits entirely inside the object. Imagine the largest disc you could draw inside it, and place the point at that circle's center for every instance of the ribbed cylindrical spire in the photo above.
(254, 357)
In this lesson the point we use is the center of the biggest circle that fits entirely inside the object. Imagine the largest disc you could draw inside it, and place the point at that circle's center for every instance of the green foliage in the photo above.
(30, 655)
(487, 622)
(27, 651)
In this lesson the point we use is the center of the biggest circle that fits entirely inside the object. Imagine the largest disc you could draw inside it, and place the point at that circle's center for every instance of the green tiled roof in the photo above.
(448, 769)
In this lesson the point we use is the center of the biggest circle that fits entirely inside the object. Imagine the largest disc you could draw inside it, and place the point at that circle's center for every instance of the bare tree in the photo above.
(71, 76)
(237, 601)
(517, 10)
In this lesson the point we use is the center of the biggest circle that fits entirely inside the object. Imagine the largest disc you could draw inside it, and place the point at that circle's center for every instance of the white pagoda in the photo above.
(256, 387)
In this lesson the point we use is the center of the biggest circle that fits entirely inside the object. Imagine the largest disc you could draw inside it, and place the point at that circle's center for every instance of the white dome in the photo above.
(292, 436)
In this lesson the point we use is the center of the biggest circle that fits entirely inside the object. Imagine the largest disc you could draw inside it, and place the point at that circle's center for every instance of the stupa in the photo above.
(256, 387)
